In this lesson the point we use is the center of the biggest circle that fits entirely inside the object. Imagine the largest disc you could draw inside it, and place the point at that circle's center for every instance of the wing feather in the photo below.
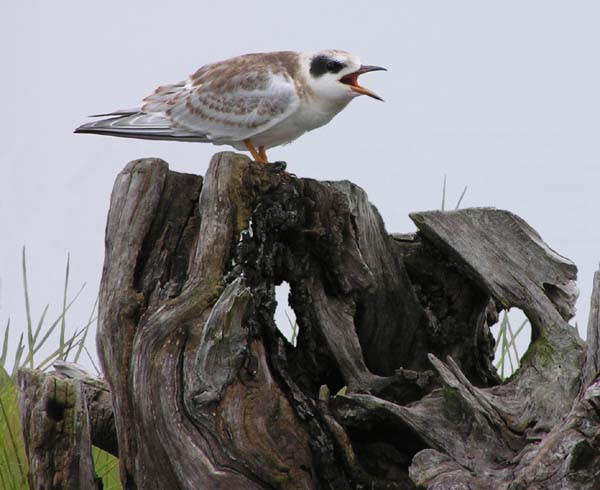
(222, 102)
(142, 126)
(226, 107)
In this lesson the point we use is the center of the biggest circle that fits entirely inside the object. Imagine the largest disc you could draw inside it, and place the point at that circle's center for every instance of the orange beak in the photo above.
(352, 80)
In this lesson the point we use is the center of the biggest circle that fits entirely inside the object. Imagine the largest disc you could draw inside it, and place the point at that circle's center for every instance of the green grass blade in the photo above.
(52, 357)
(18, 354)
(461, 198)
(510, 359)
(54, 325)
(106, 466)
(519, 330)
(71, 342)
(512, 343)
(507, 343)
(27, 305)
(295, 333)
(40, 323)
(40, 345)
(58, 352)
(444, 194)
(7, 462)
(501, 333)
(508, 339)
(56, 322)
(9, 428)
(5, 344)
(7, 465)
(294, 325)
(4, 465)
(92, 360)
(91, 320)
(503, 344)
(67, 349)
(63, 323)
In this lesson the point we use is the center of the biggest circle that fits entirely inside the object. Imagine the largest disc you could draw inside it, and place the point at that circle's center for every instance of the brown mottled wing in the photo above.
(228, 101)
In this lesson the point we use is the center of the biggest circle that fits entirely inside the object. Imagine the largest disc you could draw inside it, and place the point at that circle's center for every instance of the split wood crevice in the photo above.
(207, 393)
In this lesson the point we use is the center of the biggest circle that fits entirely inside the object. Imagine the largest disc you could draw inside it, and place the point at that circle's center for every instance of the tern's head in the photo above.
(333, 74)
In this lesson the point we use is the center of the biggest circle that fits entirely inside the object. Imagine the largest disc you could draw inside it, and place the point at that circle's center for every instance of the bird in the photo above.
(251, 102)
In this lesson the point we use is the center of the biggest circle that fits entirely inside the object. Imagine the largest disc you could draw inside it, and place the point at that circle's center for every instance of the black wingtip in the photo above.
(86, 129)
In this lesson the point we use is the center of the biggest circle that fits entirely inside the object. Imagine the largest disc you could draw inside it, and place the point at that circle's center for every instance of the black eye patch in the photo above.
(320, 65)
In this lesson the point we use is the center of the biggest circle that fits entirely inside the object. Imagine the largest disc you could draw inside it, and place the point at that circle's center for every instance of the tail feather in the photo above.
(137, 124)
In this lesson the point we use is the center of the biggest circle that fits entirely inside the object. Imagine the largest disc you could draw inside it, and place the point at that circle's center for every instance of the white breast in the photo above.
(311, 114)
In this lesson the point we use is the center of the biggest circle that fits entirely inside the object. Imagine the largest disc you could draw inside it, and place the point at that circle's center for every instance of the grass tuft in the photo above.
(506, 342)
(13, 462)
(458, 203)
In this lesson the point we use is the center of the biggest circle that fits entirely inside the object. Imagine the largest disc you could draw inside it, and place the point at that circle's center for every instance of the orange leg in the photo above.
(252, 150)
(259, 156)
(263, 154)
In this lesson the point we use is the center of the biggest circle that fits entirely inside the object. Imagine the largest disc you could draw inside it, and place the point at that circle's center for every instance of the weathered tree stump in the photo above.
(207, 393)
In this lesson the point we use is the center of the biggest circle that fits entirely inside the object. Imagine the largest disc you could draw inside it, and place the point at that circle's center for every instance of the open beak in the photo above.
(352, 80)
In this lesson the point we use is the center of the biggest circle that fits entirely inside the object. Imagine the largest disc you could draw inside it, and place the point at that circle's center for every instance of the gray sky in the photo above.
(500, 96)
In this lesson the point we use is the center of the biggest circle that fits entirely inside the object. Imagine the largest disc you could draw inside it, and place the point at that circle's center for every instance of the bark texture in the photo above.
(390, 384)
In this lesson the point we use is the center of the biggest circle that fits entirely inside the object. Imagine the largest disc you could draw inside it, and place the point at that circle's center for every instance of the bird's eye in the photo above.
(320, 65)
(334, 66)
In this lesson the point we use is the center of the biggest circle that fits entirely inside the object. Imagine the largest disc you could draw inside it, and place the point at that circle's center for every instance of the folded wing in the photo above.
(139, 125)
(220, 103)
(226, 104)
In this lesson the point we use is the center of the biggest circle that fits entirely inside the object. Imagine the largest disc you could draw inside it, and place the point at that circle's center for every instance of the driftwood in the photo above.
(391, 383)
